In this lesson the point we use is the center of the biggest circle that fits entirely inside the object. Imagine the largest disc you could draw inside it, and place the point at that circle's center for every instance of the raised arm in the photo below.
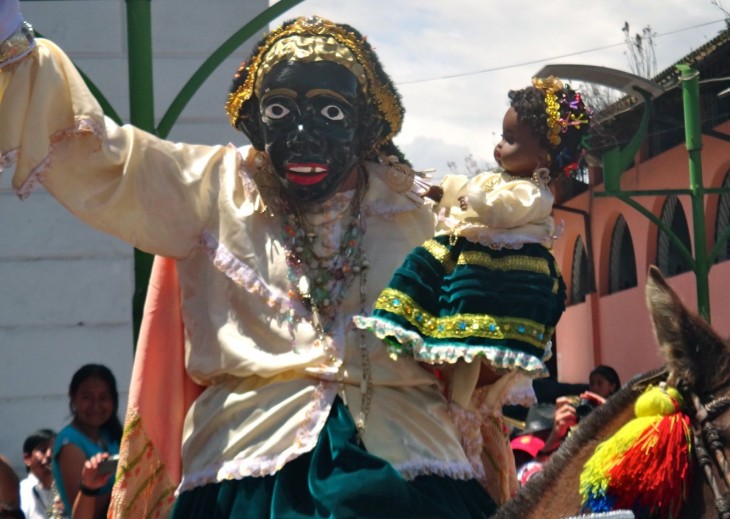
(156, 195)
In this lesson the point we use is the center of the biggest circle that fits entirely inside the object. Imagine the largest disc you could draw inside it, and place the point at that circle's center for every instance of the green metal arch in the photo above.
(215, 59)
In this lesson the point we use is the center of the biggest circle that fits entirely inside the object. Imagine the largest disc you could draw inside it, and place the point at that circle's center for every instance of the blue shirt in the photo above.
(69, 435)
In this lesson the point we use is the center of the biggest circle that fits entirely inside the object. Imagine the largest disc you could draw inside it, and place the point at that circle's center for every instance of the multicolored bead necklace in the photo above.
(320, 281)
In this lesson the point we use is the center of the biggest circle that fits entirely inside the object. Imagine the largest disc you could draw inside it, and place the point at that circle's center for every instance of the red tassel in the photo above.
(653, 475)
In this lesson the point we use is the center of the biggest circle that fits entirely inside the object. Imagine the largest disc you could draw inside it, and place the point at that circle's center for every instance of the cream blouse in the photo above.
(270, 386)
(503, 211)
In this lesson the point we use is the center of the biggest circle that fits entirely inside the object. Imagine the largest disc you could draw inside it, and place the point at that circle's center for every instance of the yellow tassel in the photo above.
(650, 408)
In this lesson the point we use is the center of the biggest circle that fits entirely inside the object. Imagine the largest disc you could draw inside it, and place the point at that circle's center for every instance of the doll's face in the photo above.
(310, 127)
(519, 152)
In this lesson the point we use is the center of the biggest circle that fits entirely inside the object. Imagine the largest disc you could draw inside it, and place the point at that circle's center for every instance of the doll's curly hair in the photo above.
(558, 117)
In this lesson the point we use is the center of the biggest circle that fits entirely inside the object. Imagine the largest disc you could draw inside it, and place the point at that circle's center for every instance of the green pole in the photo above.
(142, 115)
(693, 140)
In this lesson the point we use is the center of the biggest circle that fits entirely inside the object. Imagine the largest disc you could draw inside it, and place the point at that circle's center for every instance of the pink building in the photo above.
(607, 247)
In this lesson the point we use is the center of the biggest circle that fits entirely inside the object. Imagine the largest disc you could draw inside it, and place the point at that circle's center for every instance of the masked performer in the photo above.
(276, 246)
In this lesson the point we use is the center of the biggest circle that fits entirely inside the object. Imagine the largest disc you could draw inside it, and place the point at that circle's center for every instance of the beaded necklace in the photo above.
(320, 281)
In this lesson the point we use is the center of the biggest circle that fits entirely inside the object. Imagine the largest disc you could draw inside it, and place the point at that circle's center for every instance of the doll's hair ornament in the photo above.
(568, 120)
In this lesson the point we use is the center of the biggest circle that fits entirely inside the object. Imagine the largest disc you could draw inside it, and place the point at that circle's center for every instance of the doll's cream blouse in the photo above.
(502, 211)
(269, 385)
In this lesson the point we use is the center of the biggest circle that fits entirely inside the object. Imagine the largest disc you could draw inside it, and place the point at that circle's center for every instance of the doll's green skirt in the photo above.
(338, 479)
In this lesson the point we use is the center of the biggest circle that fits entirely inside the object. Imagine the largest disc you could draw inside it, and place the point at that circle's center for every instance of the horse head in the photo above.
(697, 361)
(695, 354)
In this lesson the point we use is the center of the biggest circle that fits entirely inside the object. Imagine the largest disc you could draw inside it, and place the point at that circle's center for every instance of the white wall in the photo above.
(65, 289)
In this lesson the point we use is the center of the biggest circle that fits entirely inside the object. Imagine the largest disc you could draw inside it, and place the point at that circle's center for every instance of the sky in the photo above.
(454, 61)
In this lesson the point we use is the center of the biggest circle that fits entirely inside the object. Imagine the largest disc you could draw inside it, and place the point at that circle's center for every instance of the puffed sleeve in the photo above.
(156, 195)
(501, 204)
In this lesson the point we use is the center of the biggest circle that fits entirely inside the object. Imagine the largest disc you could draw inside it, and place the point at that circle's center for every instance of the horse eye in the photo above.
(276, 111)
(333, 112)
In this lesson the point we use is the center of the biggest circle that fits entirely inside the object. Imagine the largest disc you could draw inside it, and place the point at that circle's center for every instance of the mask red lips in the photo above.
(306, 173)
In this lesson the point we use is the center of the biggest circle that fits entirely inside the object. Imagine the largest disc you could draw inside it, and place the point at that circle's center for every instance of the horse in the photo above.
(698, 364)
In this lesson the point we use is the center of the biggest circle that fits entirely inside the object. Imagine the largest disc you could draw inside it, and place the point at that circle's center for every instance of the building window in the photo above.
(622, 264)
(668, 258)
(723, 220)
(580, 282)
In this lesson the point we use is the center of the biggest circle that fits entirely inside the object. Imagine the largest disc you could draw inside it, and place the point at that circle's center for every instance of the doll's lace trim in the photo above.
(408, 343)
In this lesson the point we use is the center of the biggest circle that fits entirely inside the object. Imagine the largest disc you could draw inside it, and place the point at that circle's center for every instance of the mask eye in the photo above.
(333, 113)
(276, 111)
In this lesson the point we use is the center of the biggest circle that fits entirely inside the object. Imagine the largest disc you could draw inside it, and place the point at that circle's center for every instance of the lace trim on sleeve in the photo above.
(7, 160)
(82, 126)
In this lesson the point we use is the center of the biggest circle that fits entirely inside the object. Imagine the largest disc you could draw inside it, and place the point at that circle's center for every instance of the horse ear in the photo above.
(694, 352)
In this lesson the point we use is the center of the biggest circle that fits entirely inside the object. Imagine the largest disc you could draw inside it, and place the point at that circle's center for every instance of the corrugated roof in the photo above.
(669, 75)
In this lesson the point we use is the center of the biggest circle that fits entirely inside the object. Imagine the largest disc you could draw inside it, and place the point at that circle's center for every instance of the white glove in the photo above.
(10, 18)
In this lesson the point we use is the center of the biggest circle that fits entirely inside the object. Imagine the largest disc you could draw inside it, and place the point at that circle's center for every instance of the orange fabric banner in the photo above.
(159, 396)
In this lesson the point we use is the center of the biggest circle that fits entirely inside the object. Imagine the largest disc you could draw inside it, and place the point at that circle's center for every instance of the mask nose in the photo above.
(303, 139)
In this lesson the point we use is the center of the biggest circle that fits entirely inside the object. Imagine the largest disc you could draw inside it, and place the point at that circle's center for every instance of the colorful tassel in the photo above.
(645, 466)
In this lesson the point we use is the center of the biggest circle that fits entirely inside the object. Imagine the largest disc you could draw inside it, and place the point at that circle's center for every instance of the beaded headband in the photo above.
(308, 49)
(317, 39)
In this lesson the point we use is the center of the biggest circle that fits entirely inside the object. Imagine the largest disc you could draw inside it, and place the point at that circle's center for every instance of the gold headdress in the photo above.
(316, 39)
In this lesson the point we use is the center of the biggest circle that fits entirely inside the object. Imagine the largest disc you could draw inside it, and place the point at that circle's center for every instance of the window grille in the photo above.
(622, 263)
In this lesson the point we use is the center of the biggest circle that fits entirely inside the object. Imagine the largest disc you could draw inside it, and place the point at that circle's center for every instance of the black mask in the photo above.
(310, 119)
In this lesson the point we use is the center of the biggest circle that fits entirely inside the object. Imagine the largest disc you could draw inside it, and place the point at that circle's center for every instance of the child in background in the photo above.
(36, 490)
(482, 298)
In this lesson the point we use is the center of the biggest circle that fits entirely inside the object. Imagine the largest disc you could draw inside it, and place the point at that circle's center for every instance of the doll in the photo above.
(486, 290)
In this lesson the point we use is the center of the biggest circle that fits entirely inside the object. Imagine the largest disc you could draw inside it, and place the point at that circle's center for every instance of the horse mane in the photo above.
(593, 429)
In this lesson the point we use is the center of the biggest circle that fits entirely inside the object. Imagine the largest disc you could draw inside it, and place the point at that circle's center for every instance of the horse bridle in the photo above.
(709, 449)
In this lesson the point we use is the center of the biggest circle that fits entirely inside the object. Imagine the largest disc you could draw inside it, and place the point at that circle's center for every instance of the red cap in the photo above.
(529, 443)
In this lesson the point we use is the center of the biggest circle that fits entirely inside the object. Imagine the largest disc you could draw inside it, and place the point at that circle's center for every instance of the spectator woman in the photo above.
(95, 428)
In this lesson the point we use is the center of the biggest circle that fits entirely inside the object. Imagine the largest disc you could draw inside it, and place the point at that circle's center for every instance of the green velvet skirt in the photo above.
(338, 479)
(465, 300)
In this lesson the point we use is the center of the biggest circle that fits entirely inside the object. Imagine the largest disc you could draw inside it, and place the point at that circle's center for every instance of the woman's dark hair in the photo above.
(112, 426)
(530, 105)
(609, 374)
